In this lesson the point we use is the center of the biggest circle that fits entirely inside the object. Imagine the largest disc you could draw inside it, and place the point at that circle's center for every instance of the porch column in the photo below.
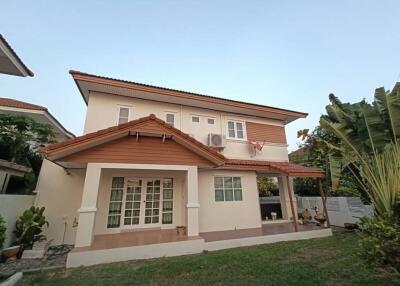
(284, 185)
(87, 212)
(192, 206)
(294, 210)
(324, 198)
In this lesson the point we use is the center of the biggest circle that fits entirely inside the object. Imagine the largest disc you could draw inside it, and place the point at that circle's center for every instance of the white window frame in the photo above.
(119, 112)
(173, 114)
(235, 129)
(211, 118)
(194, 115)
(224, 190)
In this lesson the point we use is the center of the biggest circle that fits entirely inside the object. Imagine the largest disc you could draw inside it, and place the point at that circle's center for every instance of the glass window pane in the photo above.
(155, 219)
(127, 221)
(240, 134)
(167, 206)
(237, 182)
(228, 183)
(231, 133)
(167, 183)
(219, 195)
(239, 126)
(170, 118)
(129, 206)
(218, 183)
(147, 219)
(123, 112)
(116, 195)
(135, 220)
(228, 195)
(129, 197)
(157, 183)
(128, 213)
(167, 194)
(231, 125)
(115, 208)
(136, 213)
(113, 221)
(156, 197)
(136, 205)
(148, 205)
(156, 205)
(238, 195)
(117, 182)
(156, 212)
(167, 218)
(210, 121)
(148, 212)
(195, 119)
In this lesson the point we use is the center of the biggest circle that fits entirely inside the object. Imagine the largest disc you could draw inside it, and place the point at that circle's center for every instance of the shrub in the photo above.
(380, 241)
(28, 227)
(2, 231)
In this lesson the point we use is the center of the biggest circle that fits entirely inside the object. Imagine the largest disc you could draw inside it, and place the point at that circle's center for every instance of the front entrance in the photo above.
(143, 202)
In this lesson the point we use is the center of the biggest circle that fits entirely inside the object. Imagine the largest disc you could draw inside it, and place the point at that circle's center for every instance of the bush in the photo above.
(380, 241)
(2, 231)
(28, 227)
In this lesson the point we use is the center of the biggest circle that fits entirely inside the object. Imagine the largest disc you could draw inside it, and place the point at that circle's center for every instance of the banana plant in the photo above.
(368, 144)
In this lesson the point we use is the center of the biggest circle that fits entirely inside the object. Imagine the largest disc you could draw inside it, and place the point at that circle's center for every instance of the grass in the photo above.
(327, 261)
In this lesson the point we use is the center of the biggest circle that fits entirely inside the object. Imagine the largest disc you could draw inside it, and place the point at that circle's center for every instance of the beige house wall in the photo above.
(11, 207)
(218, 216)
(103, 109)
(61, 194)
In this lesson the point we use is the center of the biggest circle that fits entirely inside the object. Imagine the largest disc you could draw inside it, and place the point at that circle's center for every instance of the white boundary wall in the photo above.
(11, 207)
(341, 210)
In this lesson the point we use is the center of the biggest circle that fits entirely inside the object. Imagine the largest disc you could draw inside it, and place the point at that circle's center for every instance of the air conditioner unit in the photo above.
(216, 140)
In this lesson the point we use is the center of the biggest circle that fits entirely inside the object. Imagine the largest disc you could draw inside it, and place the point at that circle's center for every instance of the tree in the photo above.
(20, 140)
(369, 145)
(267, 187)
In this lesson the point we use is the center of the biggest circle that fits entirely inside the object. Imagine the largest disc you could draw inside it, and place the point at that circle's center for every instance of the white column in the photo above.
(4, 177)
(284, 197)
(87, 212)
(192, 206)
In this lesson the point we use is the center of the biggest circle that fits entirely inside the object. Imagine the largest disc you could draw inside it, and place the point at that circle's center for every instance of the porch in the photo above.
(167, 242)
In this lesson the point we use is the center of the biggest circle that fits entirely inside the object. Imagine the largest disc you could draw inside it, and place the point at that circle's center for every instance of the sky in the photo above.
(288, 54)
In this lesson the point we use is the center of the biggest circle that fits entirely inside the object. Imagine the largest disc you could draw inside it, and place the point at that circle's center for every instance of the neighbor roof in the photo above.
(56, 152)
(10, 63)
(12, 105)
(89, 82)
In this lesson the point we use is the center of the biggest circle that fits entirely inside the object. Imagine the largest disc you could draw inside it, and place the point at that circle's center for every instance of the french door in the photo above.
(143, 202)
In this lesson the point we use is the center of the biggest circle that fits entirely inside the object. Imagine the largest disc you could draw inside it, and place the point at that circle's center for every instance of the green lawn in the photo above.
(328, 261)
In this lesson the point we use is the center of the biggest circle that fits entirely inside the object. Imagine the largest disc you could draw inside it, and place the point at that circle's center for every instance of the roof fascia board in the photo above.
(16, 62)
(180, 94)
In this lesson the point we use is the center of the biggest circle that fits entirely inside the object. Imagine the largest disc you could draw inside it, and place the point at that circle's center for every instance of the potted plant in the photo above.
(28, 227)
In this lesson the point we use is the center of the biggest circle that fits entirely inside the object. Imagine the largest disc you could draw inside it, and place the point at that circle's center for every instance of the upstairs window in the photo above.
(123, 115)
(211, 121)
(235, 130)
(170, 118)
(195, 119)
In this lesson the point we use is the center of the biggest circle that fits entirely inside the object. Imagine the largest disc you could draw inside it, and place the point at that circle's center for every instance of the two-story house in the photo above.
(162, 172)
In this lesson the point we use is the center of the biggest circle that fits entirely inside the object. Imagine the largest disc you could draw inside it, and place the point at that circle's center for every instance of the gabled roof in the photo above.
(88, 83)
(58, 151)
(136, 126)
(20, 104)
(15, 168)
(16, 106)
(10, 63)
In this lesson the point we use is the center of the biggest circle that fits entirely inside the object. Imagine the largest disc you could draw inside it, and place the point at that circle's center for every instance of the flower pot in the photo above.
(10, 253)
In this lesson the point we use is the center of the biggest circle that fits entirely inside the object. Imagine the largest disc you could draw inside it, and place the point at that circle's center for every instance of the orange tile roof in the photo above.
(77, 75)
(281, 167)
(14, 166)
(9, 102)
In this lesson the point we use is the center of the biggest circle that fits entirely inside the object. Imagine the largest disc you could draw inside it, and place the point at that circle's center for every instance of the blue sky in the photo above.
(288, 54)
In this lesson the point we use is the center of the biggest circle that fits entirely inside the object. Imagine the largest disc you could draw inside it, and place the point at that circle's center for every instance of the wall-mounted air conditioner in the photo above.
(216, 140)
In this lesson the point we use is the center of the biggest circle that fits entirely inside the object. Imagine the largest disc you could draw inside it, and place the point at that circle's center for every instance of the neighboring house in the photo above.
(8, 169)
(10, 63)
(153, 160)
(38, 113)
